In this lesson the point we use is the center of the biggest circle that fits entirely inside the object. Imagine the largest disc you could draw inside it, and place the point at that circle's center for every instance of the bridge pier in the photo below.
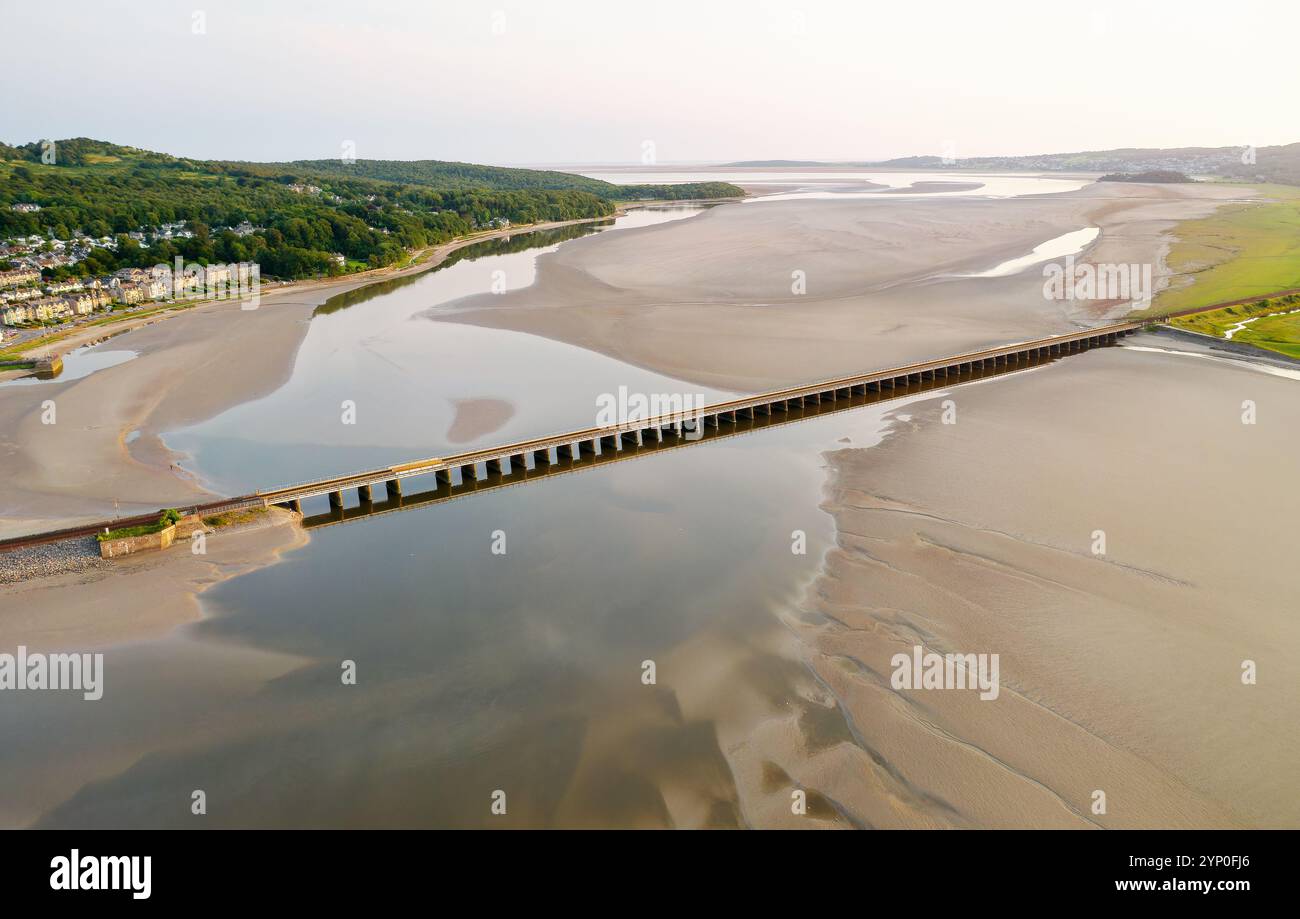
(468, 473)
(608, 444)
(493, 468)
(518, 465)
(542, 459)
(442, 478)
(628, 440)
(394, 489)
(363, 493)
(586, 448)
(336, 500)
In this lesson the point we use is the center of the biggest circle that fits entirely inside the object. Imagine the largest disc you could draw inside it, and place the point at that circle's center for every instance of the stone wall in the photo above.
(130, 545)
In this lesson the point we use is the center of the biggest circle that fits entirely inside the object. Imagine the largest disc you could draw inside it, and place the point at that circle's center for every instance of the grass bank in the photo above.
(169, 516)
(1243, 250)
(234, 518)
(1272, 323)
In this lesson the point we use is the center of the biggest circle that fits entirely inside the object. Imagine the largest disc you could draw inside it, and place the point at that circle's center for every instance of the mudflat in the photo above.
(715, 300)
(1121, 671)
(139, 597)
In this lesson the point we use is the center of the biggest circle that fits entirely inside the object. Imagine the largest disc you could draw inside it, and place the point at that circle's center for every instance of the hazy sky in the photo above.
(575, 81)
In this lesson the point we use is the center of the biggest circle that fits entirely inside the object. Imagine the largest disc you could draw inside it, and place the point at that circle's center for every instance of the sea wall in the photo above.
(130, 545)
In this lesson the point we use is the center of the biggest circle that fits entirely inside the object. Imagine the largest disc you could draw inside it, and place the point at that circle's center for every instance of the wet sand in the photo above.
(1119, 673)
(139, 597)
(477, 418)
(710, 300)
(137, 600)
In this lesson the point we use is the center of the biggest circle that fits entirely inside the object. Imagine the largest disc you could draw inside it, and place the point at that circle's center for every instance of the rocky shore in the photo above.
(67, 556)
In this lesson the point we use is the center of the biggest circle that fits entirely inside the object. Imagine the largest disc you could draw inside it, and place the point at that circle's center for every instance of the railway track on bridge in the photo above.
(705, 414)
(630, 433)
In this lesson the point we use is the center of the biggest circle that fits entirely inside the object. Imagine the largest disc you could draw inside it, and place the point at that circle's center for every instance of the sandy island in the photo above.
(709, 300)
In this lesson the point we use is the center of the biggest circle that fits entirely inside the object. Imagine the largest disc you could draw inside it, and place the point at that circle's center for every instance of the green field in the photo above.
(1276, 333)
(1241, 251)
(1277, 328)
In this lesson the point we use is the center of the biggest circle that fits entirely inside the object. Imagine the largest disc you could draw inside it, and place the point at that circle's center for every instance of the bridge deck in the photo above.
(775, 401)
(372, 477)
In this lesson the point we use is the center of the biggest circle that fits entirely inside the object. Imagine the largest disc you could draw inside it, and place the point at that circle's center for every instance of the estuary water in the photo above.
(793, 184)
(379, 380)
(595, 649)
(602, 647)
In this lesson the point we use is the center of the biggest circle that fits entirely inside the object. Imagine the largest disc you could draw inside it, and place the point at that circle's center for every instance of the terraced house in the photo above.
(19, 277)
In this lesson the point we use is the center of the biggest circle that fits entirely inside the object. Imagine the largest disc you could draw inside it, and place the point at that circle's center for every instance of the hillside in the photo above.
(439, 174)
(1278, 164)
(291, 218)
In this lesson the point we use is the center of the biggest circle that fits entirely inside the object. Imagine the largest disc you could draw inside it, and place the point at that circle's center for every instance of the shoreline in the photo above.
(181, 376)
(139, 597)
(420, 260)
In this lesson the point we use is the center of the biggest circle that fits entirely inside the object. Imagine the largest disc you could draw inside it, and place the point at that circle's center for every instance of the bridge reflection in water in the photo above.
(521, 468)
